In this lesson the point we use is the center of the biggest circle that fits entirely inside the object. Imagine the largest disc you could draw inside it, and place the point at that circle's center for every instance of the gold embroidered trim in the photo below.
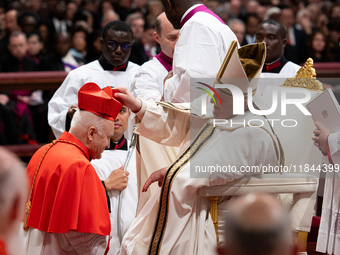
(201, 139)
(226, 60)
(173, 107)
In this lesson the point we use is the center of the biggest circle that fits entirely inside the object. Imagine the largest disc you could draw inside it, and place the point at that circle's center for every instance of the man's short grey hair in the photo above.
(82, 120)
(107, 15)
(301, 12)
(16, 34)
(271, 11)
(223, 8)
(235, 21)
(133, 16)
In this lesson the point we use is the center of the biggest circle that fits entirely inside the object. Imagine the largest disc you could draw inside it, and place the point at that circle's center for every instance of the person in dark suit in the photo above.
(61, 45)
(58, 21)
(295, 50)
(28, 22)
(146, 48)
(252, 22)
(17, 61)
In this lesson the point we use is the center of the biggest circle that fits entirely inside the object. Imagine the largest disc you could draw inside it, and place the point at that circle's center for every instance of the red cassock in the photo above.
(2, 248)
(67, 194)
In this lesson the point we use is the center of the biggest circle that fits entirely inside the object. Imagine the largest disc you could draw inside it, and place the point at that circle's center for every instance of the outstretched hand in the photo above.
(124, 96)
(154, 177)
(320, 137)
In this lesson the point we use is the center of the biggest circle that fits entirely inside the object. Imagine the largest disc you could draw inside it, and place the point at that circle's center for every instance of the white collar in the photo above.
(191, 8)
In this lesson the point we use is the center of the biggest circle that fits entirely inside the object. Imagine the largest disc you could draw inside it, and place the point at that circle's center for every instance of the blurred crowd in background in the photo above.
(51, 35)
(69, 31)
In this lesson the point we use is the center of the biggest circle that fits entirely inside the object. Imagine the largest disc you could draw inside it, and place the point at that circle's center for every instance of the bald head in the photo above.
(166, 35)
(93, 131)
(11, 20)
(13, 193)
(257, 224)
(109, 16)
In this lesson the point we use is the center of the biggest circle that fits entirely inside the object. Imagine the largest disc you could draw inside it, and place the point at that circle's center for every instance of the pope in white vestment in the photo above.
(176, 220)
(203, 43)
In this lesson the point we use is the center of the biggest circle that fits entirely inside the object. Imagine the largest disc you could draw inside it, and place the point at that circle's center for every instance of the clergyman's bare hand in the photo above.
(117, 180)
(128, 100)
(320, 137)
(154, 177)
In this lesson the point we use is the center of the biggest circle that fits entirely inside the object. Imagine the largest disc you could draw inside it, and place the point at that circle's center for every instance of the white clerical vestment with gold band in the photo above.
(176, 220)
